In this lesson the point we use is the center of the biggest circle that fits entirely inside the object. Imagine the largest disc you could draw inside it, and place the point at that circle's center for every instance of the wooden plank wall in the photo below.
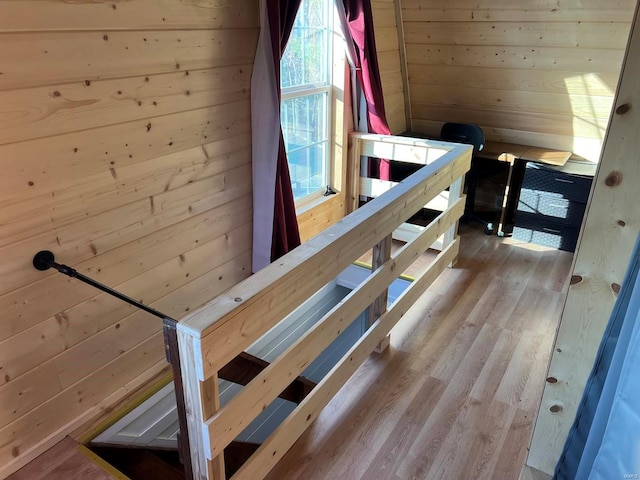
(536, 73)
(125, 149)
(389, 58)
(608, 236)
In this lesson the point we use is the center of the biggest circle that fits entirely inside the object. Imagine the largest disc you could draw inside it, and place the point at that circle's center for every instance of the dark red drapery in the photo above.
(360, 22)
(286, 235)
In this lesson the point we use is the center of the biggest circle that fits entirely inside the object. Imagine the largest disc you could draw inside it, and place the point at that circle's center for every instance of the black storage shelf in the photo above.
(543, 230)
(557, 209)
(551, 207)
(556, 184)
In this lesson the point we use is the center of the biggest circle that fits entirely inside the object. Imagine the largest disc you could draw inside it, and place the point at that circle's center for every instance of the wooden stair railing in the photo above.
(241, 369)
(212, 336)
(245, 367)
(210, 344)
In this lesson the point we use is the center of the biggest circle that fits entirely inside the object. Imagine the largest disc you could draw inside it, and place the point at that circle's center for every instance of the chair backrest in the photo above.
(468, 133)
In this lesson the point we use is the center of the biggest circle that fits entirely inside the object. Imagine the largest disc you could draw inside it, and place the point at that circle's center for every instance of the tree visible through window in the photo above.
(306, 89)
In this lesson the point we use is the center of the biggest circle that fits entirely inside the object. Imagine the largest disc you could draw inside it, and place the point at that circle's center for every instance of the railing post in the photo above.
(353, 175)
(173, 357)
(455, 193)
(380, 254)
(201, 400)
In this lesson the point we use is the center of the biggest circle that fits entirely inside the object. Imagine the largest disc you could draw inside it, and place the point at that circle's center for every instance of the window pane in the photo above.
(306, 82)
(306, 58)
(304, 126)
(304, 120)
(306, 166)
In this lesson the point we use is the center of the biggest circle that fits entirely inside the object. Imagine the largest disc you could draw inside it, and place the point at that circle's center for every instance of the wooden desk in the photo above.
(510, 152)
(517, 156)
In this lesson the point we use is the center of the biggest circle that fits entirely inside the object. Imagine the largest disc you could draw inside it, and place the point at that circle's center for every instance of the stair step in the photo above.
(142, 464)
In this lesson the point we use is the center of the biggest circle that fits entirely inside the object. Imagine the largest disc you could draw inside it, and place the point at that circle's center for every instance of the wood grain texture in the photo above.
(112, 268)
(112, 54)
(126, 151)
(34, 15)
(569, 104)
(395, 420)
(47, 164)
(63, 461)
(542, 72)
(608, 235)
(498, 10)
(115, 228)
(314, 220)
(56, 109)
(21, 435)
(604, 35)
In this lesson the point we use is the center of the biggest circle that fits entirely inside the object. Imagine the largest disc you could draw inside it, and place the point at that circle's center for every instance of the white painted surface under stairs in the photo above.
(154, 424)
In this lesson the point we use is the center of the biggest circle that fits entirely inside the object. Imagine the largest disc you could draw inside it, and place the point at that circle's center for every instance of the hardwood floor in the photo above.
(456, 394)
(64, 461)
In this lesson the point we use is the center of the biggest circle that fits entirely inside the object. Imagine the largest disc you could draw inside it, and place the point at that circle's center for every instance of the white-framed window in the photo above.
(306, 106)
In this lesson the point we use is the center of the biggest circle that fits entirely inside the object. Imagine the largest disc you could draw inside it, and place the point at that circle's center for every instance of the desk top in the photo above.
(509, 152)
(545, 155)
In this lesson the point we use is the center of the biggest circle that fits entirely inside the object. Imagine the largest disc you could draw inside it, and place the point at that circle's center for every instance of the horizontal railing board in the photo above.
(229, 421)
(270, 294)
(373, 187)
(405, 149)
(272, 450)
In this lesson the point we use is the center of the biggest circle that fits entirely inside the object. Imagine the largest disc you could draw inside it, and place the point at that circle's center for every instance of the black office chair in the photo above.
(470, 134)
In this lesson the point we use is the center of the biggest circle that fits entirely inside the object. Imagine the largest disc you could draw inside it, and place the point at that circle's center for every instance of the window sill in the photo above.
(312, 201)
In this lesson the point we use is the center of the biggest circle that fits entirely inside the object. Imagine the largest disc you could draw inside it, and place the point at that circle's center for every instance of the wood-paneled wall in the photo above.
(609, 233)
(125, 150)
(537, 73)
(390, 61)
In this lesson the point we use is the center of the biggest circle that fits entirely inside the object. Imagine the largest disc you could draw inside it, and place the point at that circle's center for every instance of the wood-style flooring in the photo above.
(456, 394)
(62, 462)
(453, 398)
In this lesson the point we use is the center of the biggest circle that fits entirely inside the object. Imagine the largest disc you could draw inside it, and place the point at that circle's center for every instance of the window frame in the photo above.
(335, 161)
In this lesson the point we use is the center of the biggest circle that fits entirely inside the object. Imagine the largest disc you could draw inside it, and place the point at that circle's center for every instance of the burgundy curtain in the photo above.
(286, 236)
(360, 23)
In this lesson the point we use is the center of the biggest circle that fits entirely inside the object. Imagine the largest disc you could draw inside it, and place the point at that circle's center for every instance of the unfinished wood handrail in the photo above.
(228, 325)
